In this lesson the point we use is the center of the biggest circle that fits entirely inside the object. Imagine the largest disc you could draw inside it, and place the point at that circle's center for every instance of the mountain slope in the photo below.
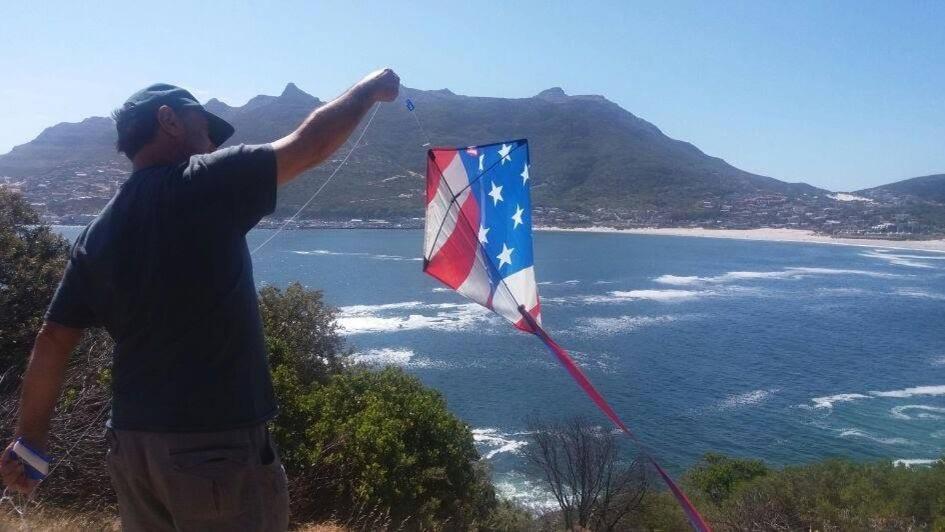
(925, 188)
(589, 157)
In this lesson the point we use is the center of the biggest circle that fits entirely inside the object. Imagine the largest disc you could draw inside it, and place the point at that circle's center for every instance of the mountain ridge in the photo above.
(594, 162)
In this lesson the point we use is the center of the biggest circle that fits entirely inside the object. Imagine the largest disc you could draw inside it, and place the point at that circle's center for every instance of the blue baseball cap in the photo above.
(154, 96)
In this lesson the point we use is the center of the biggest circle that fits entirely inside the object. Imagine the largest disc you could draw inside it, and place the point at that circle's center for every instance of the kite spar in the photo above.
(478, 241)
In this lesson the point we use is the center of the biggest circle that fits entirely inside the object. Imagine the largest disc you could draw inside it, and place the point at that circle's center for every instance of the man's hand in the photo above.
(329, 126)
(382, 85)
(14, 474)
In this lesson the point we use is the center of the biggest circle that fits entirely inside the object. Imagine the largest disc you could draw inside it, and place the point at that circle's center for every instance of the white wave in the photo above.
(603, 282)
(442, 289)
(370, 309)
(909, 462)
(559, 283)
(857, 433)
(938, 361)
(920, 294)
(899, 412)
(624, 296)
(680, 280)
(912, 392)
(786, 273)
(360, 319)
(526, 492)
(753, 397)
(828, 401)
(901, 260)
(587, 360)
(656, 295)
(496, 442)
(374, 256)
(621, 324)
(841, 291)
(384, 357)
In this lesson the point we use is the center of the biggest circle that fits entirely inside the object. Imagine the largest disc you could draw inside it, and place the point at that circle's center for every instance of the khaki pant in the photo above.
(230, 480)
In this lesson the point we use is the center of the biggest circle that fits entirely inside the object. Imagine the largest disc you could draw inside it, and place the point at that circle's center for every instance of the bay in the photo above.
(788, 352)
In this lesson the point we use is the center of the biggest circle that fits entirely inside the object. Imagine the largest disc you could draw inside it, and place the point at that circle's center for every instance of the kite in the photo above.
(478, 241)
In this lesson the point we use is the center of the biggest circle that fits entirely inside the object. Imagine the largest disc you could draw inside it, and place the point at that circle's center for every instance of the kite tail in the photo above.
(695, 518)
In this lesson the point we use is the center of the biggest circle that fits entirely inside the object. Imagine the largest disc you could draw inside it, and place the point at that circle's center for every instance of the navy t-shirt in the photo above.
(165, 269)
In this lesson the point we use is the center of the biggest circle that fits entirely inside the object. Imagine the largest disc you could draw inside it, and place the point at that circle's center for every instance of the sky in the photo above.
(839, 94)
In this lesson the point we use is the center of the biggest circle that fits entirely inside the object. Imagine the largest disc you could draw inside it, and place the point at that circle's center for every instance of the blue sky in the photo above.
(842, 95)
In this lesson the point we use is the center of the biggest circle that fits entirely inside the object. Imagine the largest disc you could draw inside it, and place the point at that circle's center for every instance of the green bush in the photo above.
(717, 475)
(305, 327)
(381, 440)
(31, 261)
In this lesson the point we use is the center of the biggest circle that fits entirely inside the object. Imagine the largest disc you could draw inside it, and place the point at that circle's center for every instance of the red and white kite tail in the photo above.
(695, 518)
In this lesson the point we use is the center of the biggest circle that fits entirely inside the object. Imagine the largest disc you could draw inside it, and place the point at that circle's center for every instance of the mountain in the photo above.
(593, 162)
(929, 188)
(90, 141)
(920, 198)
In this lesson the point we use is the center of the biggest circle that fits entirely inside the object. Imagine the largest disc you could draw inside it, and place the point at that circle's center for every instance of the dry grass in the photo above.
(59, 521)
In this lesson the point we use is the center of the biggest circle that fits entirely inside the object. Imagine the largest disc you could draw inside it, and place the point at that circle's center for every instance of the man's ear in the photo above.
(170, 121)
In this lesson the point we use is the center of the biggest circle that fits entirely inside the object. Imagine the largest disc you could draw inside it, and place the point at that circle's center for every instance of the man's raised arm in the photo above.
(329, 126)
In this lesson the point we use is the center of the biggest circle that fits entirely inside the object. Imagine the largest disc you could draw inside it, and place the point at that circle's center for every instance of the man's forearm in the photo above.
(329, 126)
(324, 131)
(42, 381)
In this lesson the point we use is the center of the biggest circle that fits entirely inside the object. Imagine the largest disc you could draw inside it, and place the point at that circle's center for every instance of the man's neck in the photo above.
(157, 156)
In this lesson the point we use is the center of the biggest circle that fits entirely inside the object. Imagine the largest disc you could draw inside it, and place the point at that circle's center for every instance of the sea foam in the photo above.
(786, 273)
(363, 319)
(753, 397)
(373, 256)
(857, 433)
(925, 412)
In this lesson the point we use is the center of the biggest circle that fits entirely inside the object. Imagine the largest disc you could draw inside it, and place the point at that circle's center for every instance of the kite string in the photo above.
(323, 185)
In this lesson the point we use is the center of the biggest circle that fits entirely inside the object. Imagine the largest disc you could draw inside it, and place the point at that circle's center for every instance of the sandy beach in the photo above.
(775, 235)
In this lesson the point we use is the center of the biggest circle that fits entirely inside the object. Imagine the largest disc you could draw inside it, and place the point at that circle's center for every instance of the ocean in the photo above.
(788, 352)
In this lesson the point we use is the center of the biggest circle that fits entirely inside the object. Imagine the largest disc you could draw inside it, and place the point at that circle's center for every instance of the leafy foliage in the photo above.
(305, 327)
(717, 475)
(739, 494)
(381, 437)
(31, 260)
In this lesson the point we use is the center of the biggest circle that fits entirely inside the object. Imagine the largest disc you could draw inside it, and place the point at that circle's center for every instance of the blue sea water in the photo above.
(782, 351)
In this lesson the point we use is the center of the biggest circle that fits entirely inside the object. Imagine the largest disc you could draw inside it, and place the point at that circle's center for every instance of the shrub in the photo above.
(306, 330)
(381, 440)
(31, 261)
(717, 475)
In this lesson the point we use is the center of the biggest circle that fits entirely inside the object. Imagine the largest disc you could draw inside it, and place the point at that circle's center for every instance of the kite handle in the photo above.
(695, 518)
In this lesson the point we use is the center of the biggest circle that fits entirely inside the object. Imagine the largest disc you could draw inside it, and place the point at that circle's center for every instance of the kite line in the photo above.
(323, 185)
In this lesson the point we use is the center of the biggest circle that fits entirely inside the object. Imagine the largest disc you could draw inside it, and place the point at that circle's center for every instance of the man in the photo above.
(166, 270)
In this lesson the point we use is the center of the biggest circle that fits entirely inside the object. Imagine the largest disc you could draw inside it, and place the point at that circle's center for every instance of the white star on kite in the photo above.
(517, 217)
(495, 194)
(504, 153)
(525, 175)
(483, 231)
(481, 158)
(506, 256)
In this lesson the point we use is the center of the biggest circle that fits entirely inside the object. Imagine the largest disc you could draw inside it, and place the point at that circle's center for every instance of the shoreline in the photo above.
(798, 236)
